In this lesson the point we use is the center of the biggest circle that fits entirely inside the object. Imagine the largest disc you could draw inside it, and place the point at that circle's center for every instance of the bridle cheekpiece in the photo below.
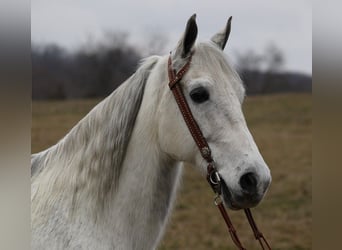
(213, 176)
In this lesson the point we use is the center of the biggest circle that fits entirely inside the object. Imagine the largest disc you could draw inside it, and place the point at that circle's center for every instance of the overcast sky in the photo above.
(256, 23)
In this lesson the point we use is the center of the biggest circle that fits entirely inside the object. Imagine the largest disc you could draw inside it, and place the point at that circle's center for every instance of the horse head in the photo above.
(215, 94)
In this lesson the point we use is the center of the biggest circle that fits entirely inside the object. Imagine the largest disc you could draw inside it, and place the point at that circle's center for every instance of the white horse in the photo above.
(111, 181)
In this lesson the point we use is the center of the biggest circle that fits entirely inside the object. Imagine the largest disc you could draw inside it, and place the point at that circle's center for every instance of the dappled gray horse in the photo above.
(111, 181)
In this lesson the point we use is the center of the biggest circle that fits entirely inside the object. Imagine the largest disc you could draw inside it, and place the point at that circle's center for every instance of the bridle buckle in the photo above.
(215, 181)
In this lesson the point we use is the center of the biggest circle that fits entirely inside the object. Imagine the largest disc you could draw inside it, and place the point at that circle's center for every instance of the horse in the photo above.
(111, 182)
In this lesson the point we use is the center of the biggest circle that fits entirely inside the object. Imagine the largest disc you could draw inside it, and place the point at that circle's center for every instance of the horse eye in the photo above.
(199, 95)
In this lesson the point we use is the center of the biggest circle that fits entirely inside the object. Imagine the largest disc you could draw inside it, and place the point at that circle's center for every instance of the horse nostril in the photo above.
(248, 182)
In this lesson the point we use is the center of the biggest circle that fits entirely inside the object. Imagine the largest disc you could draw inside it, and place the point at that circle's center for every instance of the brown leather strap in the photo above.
(186, 112)
(201, 142)
(257, 234)
(230, 226)
(212, 174)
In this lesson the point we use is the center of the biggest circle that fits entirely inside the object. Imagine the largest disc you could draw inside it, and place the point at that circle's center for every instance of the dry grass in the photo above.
(281, 126)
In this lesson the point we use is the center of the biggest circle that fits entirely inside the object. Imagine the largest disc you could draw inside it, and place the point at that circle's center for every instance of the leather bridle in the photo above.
(212, 175)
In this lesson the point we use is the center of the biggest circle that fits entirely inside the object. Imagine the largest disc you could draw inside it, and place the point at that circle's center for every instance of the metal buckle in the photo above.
(214, 181)
(214, 178)
(217, 200)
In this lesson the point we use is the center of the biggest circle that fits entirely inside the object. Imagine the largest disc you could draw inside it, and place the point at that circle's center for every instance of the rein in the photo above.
(213, 177)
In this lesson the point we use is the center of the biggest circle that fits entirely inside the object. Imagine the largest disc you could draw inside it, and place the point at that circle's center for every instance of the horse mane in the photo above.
(94, 149)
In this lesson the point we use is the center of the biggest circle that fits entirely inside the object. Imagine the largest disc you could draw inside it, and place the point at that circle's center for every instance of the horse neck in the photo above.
(148, 181)
(82, 175)
(86, 164)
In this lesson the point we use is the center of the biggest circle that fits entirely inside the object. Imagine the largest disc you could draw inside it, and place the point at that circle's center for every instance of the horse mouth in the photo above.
(227, 196)
(237, 202)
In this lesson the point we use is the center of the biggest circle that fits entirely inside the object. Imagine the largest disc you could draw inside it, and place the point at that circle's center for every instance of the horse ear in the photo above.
(188, 40)
(221, 38)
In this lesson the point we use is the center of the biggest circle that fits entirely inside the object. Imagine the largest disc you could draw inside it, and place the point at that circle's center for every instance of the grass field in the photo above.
(281, 126)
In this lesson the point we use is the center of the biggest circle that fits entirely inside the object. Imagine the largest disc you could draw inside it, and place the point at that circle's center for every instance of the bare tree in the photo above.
(155, 44)
(260, 71)
(115, 39)
(249, 61)
(273, 58)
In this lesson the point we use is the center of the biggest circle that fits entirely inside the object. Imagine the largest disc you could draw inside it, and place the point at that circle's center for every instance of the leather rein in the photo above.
(213, 177)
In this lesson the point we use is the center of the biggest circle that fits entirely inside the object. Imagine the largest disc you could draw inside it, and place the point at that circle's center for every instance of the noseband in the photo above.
(212, 175)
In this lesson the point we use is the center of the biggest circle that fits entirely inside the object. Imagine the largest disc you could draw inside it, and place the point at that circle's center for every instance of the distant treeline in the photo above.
(97, 71)
(257, 82)
(57, 74)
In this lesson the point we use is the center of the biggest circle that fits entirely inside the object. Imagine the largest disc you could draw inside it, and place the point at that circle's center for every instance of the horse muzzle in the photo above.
(249, 194)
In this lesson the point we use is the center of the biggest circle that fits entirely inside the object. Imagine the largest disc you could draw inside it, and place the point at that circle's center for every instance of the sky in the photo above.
(256, 24)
